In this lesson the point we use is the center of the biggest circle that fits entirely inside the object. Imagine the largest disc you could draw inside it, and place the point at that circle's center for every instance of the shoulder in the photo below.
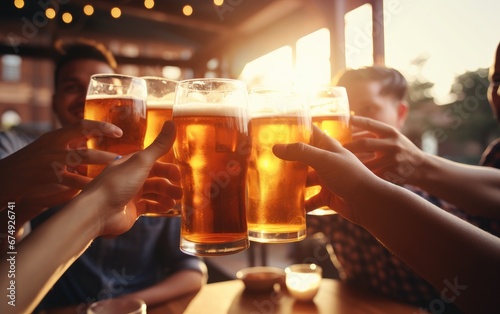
(18, 137)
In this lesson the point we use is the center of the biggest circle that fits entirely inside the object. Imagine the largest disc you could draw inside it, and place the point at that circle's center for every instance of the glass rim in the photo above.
(185, 83)
(304, 266)
(115, 75)
(159, 78)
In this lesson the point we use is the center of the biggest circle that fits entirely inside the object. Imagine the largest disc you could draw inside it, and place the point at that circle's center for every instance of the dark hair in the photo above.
(69, 50)
(393, 82)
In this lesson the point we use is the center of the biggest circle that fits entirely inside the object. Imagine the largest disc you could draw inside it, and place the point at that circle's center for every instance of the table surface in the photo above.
(333, 297)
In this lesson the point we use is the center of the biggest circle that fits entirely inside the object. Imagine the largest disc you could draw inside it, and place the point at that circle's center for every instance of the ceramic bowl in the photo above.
(261, 278)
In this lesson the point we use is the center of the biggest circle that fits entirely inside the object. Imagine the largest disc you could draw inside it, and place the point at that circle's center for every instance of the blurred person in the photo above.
(457, 258)
(491, 156)
(108, 206)
(379, 94)
(37, 175)
(145, 261)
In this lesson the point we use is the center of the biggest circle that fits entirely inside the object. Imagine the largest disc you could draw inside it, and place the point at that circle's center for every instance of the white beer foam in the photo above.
(113, 97)
(209, 109)
(160, 104)
(277, 114)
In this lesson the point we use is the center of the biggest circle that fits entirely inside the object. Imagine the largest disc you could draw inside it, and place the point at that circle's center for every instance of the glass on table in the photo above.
(330, 112)
(120, 100)
(303, 281)
(276, 187)
(160, 102)
(212, 148)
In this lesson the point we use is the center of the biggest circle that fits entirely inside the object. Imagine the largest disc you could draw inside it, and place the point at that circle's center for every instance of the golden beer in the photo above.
(212, 148)
(337, 127)
(158, 112)
(330, 112)
(276, 187)
(126, 112)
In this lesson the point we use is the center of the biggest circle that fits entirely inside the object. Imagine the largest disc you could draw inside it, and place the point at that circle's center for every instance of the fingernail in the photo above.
(118, 157)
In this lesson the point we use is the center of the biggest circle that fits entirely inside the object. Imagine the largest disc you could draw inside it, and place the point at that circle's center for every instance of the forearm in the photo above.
(34, 272)
(474, 189)
(177, 284)
(440, 247)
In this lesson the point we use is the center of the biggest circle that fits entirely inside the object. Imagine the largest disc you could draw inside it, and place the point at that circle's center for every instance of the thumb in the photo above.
(163, 142)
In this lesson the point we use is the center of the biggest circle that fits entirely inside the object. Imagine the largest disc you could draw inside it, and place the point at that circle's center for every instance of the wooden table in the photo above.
(333, 297)
(230, 297)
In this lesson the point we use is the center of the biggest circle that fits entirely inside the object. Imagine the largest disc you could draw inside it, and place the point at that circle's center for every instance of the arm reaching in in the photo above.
(43, 174)
(459, 259)
(475, 189)
(108, 206)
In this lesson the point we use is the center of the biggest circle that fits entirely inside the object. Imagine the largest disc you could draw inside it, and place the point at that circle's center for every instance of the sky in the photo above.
(456, 36)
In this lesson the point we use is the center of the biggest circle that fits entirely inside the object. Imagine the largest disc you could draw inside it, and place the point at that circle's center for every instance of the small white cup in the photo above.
(303, 281)
(118, 306)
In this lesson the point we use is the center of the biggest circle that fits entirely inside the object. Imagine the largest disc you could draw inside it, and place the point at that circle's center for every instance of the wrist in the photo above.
(423, 168)
(84, 209)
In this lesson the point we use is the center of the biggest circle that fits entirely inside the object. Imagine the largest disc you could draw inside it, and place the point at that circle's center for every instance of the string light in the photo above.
(67, 17)
(218, 2)
(88, 10)
(116, 12)
(19, 4)
(149, 4)
(50, 13)
(187, 10)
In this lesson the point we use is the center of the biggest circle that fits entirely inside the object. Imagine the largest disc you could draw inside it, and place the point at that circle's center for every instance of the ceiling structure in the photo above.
(168, 37)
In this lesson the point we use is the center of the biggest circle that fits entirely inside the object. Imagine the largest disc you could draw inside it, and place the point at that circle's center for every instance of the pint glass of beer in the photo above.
(212, 148)
(330, 112)
(120, 100)
(160, 101)
(276, 187)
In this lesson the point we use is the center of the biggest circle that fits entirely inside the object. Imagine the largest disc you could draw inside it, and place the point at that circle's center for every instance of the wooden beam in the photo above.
(40, 52)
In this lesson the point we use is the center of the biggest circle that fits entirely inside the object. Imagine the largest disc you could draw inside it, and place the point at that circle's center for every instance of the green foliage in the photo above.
(470, 118)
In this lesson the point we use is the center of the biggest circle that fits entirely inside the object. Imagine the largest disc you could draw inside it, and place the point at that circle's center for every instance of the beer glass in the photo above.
(276, 187)
(330, 112)
(160, 100)
(120, 100)
(212, 148)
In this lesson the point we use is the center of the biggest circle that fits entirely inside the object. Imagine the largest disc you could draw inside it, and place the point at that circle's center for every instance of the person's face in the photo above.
(493, 90)
(365, 100)
(71, 88)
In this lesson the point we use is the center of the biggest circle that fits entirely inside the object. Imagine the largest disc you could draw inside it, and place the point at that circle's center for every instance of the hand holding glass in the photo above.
(120, 100)
(276, 187)
(330, 112)
(160, 101)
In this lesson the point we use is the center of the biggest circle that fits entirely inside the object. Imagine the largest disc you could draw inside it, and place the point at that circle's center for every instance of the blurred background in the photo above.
(444, 48)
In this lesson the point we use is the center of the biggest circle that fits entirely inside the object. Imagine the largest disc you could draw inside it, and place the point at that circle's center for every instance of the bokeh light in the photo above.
(187, 10)
(50, 13)
(88, 10)
(116, 12)
(67, 17)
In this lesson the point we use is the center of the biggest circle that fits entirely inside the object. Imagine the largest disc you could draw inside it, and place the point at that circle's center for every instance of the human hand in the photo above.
(385, 151)
(341, 175)
(134, 185)
(53, 159)
(44, 173)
